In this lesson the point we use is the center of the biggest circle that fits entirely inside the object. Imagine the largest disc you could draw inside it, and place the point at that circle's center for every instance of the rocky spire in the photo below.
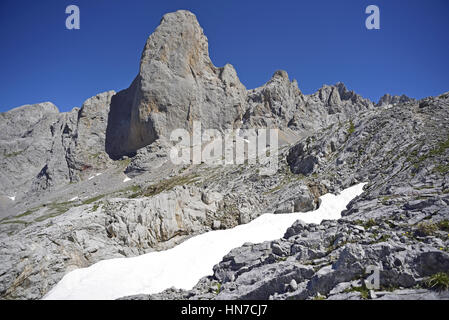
(176, 85)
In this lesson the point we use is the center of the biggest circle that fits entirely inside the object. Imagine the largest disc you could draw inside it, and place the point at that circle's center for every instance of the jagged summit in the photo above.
(179, 43)
(280, 74)
(388, 99)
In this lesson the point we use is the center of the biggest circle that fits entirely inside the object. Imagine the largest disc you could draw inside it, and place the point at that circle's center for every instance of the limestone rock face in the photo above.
(176, 85)
(388, 99)
(42, 148)
(301, 161)
(338, 99)
(281, 104)
(26, 136)
(275, 104)
(87, 148)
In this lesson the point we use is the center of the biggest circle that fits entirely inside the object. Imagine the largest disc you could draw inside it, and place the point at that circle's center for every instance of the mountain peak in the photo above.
(179, 44)
(388, 99)
(280, 74)
(177, 84)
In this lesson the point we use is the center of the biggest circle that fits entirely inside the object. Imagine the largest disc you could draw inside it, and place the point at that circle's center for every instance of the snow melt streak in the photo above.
(183, 265)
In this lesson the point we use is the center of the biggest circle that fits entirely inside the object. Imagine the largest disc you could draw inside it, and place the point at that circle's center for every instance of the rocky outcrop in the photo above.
(26, 136)
(86, 151)
(388, 100)
(275, 104)
(280, 104)
(43, 149)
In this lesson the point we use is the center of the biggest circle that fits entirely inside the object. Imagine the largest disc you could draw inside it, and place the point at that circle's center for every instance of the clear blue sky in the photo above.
(317, 42)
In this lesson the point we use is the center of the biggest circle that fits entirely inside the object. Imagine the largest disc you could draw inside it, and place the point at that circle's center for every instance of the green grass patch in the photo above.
(425, 229)
(27, 213)
(124, 162)
(95, 155)
(441, 168)
(48, 216)
(169, 184)
(12, 154)
(92, 200)
(384, 200)
(55, 209)
(366, 224)
(363, 290)
(438, 150)
(288, 177)
(14, 222)
(439, 281)
(217, 291)
(95, 207)
(443, 225)
(351, 129)
(383, 238)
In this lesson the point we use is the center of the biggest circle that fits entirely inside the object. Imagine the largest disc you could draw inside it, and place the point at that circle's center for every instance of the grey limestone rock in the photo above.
(177, 84)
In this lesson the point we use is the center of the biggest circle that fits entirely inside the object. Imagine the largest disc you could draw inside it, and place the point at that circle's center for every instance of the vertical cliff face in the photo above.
(85, 148)
(26, 135)
(177, 84)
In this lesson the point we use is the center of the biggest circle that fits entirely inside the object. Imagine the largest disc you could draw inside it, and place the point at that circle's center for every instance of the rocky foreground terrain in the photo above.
(97, 182)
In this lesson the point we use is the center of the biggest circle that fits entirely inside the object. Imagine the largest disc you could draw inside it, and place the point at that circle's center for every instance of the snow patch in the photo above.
(73, 199)
(183, 265)
(127, 179)
(13, 198)
(96, 175)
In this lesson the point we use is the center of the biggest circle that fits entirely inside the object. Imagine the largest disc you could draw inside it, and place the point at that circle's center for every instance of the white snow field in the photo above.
(184, 265)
